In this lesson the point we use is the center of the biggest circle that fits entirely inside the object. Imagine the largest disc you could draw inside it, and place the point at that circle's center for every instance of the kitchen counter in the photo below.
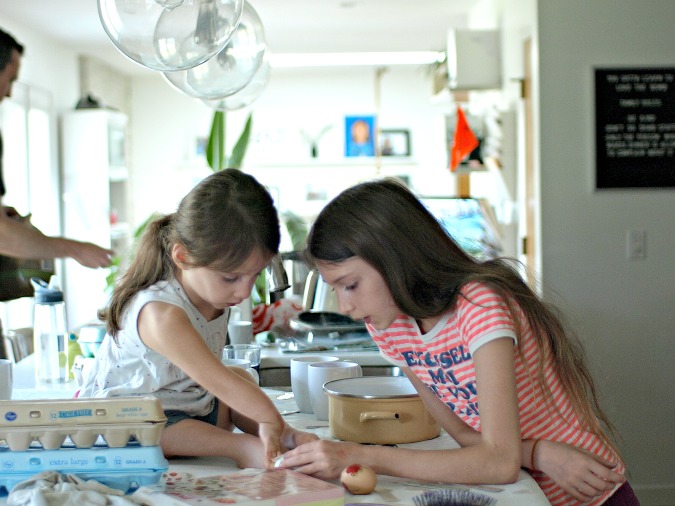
(356, 347)
(25, 386)
(389, 490)
(274, 363)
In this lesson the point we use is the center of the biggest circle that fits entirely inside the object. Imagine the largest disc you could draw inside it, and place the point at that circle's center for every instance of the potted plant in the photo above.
(216, 146)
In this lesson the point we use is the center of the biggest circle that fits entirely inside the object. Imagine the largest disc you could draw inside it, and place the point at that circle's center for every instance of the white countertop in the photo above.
(26, 387)
(389, 490)
(276, 356)
(394, 491)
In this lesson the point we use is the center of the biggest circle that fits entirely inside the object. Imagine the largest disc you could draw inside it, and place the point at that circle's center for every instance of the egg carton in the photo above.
(81, 410)
(51, 422)
(124, 469)
(82, 436)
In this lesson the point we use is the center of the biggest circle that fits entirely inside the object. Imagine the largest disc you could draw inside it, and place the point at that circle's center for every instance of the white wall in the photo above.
(46, 64)
(623, 309)
(166, 125)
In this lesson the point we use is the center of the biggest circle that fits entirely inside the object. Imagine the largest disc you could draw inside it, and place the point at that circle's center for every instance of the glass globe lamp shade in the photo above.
(170, 34)
(232, 68)
(247, 95)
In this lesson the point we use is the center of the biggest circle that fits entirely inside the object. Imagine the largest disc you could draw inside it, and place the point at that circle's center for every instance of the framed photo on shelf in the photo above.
(359, 136)
(394, 143)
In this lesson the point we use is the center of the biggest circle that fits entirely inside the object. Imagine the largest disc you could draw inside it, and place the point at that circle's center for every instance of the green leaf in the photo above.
(297, 229)
(215, 148)
(239, 150)
(258, 294)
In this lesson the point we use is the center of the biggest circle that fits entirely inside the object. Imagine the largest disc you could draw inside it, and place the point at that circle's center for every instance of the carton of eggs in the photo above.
(50, 422)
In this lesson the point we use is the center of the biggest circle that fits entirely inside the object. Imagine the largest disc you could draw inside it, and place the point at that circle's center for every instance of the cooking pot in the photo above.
(378, 410)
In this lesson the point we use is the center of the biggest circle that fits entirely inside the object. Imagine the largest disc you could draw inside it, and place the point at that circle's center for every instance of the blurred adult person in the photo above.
(18, 237)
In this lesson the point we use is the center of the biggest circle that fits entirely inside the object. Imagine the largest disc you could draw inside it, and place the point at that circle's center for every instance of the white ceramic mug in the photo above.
(240, 331)
(6, 379)
(299, 379)
(243, 364)
(321, 372)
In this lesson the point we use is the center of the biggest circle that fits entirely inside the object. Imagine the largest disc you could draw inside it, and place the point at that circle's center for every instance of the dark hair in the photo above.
(385, 225)
(220, 222)
(7, 44)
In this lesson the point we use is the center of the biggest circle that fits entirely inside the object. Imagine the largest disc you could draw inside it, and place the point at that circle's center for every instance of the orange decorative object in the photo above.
(464, 141)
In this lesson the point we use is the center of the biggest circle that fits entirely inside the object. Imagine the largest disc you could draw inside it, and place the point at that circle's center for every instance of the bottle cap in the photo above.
(44, 294)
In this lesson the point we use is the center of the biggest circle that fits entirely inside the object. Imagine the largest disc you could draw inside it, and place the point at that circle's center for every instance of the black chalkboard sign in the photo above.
(635, 127)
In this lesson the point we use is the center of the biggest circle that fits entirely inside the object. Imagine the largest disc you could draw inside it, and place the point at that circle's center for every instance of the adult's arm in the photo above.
(20, 239)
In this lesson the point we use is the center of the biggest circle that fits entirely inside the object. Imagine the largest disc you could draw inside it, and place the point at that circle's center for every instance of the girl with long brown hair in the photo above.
(167, 324)
(492, 362)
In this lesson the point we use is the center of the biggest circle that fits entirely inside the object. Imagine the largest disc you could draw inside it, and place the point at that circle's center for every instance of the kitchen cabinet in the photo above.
(95, 196)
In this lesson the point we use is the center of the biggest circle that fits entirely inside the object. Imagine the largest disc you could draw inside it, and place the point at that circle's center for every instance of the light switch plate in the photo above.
(636, 244)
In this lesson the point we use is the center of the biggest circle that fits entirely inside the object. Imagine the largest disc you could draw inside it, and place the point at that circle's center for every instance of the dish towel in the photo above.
(50, 488)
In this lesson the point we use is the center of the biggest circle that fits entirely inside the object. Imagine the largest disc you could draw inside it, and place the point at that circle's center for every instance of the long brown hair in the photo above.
(384, 224)
(220, 222)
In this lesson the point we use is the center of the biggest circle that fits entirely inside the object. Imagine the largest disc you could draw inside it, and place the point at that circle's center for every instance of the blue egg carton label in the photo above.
(55, 415)
(81, 410)
(121, 468)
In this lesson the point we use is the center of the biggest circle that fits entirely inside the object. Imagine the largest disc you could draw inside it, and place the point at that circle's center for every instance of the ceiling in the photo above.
(291, 26)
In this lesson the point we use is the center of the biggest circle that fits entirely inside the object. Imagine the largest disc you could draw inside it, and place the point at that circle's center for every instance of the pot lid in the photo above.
(325, 321)
(372, 387)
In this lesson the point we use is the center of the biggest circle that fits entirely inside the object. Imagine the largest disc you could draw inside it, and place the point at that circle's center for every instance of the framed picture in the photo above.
(394, 143)
(359, 136)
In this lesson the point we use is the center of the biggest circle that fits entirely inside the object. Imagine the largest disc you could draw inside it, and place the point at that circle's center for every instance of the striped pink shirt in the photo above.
(442, 359)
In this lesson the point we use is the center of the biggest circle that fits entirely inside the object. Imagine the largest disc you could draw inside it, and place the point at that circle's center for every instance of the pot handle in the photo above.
(378, 415)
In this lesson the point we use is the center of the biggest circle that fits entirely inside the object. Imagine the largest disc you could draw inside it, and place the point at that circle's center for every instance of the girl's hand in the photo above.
(276, 442)
(580, 473)
(321, 458)
(292, 438)
(271, 436)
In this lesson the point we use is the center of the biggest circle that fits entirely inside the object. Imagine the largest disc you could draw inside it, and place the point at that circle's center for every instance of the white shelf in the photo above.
(94, 186)
(118, 174)
(362, 161)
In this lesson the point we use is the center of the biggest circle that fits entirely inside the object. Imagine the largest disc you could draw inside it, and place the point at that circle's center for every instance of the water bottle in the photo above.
(49, 332)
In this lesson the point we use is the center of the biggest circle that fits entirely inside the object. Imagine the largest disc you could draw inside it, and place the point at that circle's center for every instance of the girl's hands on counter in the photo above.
(322, 458)
(579, 473)
(292, 438)
(270, 433)
(289, 438)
